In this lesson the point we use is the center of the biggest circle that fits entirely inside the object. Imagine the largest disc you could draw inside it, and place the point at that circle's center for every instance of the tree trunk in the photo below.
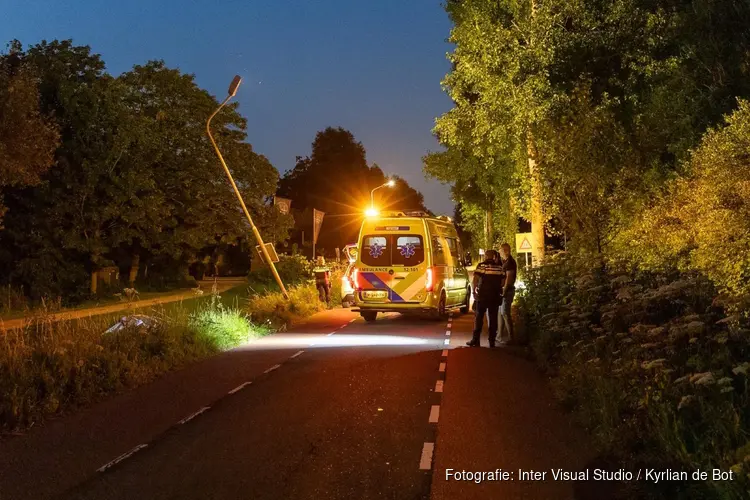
(134, 265)
(94, 281)
(488, 226)
(537, 214)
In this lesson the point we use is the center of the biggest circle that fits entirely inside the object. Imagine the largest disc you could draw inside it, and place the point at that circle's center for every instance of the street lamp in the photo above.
(231, 93)
(372, 210)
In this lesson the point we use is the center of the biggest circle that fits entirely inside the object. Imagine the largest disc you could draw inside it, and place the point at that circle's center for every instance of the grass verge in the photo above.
(48, 366)
(51, 366)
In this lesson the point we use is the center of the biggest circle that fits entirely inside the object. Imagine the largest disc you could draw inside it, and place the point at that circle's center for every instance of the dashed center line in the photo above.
(439, 386)
(447, 342)
(442, 367)
(296, 354)
(121, 458)
(425, 462)
(272, 369)
(239, 387)
(445, 353)
(434, 414)
(330, 334)
(191, 417)
(448, 333)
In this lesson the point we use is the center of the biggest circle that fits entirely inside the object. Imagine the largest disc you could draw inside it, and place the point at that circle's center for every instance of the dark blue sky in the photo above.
(373, 67)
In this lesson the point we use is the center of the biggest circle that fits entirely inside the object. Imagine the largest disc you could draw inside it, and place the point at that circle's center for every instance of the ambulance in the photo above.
(410, 262)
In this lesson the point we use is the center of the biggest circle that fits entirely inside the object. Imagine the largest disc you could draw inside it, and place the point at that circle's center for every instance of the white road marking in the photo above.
(272, 368)
(448, 332)
(296, 354)
(327, 336)
(239, 387)
(121, 458)
(439, 386)
(445, 353)
(425, 463)
(434, 414)
(449, 325)
(352, 320)
(442, 367)
(447, 342)
(191, 417)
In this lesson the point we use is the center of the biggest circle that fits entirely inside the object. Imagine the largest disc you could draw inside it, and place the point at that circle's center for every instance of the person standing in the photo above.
(487, 286)
(509, 269)
(323, 280)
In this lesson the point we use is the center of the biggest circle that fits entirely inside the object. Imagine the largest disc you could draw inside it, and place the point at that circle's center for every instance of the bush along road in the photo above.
(654, 365)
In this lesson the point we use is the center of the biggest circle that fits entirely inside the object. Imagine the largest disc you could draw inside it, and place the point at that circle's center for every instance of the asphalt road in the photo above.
(335, 409)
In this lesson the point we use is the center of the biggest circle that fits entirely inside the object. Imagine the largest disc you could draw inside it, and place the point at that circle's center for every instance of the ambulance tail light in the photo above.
(429, 282)
(355, 279)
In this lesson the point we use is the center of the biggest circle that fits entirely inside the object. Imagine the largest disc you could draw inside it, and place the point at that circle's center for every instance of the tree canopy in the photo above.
(28, 138)
(607, 98)
(337, 179)
(134, 176)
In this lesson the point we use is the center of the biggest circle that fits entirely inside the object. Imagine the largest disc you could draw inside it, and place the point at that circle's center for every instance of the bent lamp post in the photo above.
(231, 93)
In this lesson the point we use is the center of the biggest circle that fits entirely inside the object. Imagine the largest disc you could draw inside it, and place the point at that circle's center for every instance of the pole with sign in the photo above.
(271, 252)
(317, 222)
(525, 246)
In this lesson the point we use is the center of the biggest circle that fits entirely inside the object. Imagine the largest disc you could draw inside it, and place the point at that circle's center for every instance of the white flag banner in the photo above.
(317, 222)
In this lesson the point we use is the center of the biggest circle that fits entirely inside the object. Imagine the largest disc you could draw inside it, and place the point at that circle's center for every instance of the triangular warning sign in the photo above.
(525, 245)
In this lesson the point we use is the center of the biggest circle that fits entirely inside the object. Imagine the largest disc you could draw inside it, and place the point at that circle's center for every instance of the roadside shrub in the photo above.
(224, 327)
(274, 310)
(13, 299)
(651, 363)
(292, 269)
(702, 221)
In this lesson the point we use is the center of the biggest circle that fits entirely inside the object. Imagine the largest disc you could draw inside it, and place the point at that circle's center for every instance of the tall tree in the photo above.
(336, 179)
(135, 174)
(199, 201)
(28, 138)
(591, 104)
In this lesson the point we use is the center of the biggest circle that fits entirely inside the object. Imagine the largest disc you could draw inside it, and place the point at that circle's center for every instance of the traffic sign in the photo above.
(524, 243)
(271, 251)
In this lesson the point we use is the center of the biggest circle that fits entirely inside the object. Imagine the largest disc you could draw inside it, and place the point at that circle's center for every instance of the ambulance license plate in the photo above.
(375, 294)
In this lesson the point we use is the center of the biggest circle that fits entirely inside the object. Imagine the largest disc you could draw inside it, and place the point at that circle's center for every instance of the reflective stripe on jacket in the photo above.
(491, 280)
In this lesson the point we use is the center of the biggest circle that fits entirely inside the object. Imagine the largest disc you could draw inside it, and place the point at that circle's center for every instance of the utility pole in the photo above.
(231, 93)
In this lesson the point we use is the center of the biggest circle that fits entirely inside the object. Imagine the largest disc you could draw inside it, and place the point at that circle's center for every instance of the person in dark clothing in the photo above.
(487, 286)
(509, 268)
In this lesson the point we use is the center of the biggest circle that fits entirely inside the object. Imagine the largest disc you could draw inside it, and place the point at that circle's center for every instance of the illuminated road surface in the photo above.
(335, 409)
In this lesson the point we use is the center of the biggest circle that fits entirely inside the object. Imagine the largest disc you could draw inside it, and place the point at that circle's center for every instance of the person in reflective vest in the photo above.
(323, 280)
